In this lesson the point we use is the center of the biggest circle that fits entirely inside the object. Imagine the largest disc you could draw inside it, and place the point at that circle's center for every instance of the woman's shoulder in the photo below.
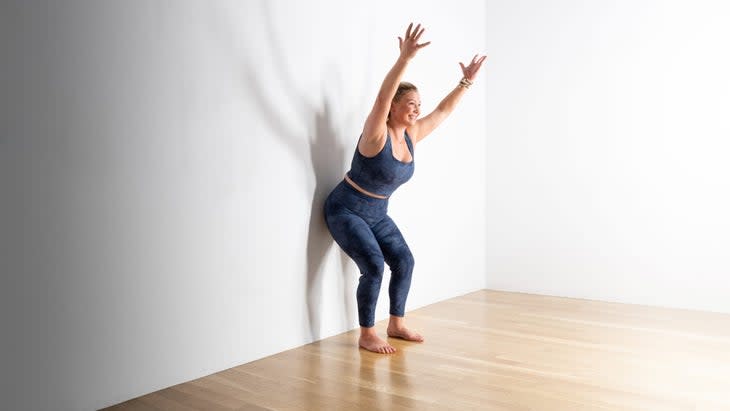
(371, 146)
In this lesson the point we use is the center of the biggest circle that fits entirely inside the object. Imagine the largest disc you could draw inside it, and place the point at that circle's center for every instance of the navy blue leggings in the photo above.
(361, 227)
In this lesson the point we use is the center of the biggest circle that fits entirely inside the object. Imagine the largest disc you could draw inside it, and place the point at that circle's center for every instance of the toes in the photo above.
(386, 349)
(380, 349)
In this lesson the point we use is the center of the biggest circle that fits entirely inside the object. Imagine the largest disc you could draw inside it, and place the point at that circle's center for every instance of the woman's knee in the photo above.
(404, 262)
(371, 265)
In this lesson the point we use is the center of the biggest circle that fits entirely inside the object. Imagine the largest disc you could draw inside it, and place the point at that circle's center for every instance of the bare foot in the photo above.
(396, 329)
(405, 334)
(370, 341)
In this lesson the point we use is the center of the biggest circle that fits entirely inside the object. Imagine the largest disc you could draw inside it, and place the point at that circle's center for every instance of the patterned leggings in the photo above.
(361, 227)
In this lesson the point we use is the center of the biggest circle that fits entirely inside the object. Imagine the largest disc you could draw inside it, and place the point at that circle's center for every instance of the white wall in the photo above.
(163, 170)
(607, 154)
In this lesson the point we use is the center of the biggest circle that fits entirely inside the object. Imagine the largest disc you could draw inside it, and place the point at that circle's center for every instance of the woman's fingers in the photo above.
(414, 33)
(476, 63)
(409, 44)
(473, 68)
(417, 33)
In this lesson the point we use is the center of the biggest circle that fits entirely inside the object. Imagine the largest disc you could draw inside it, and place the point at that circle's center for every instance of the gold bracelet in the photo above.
(465, 82)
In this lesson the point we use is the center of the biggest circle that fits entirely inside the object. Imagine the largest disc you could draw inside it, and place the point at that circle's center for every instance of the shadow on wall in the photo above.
(327, 156)
(318, 149)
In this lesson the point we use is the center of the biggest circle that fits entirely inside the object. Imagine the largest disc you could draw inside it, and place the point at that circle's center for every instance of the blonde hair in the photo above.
(403, 88)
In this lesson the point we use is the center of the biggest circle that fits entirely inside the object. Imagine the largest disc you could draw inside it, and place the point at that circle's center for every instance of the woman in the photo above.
(356, 210)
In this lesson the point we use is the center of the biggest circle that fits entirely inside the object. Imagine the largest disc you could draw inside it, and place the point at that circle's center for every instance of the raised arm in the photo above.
(425, 125)
(374, 131)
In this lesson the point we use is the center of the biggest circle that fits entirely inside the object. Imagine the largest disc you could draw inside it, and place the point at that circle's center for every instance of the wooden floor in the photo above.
(490, 350)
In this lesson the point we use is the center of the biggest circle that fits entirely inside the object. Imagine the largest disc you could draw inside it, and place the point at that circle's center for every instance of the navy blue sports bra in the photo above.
(383, 173)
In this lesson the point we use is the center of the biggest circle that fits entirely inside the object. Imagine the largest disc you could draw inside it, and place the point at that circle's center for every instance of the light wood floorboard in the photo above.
(490, 350)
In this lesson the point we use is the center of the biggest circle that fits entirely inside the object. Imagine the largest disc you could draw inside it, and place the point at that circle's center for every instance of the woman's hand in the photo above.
(470, 71)
(409, 46)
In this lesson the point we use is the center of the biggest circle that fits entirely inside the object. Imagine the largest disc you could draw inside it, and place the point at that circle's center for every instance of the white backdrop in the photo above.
(163, 168)
(607, 155)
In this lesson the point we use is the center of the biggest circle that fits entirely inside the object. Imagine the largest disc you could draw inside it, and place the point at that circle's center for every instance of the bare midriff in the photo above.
(362, 190)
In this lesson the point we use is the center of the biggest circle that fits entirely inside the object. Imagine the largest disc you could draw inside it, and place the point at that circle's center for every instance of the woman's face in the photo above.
(407, 108)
